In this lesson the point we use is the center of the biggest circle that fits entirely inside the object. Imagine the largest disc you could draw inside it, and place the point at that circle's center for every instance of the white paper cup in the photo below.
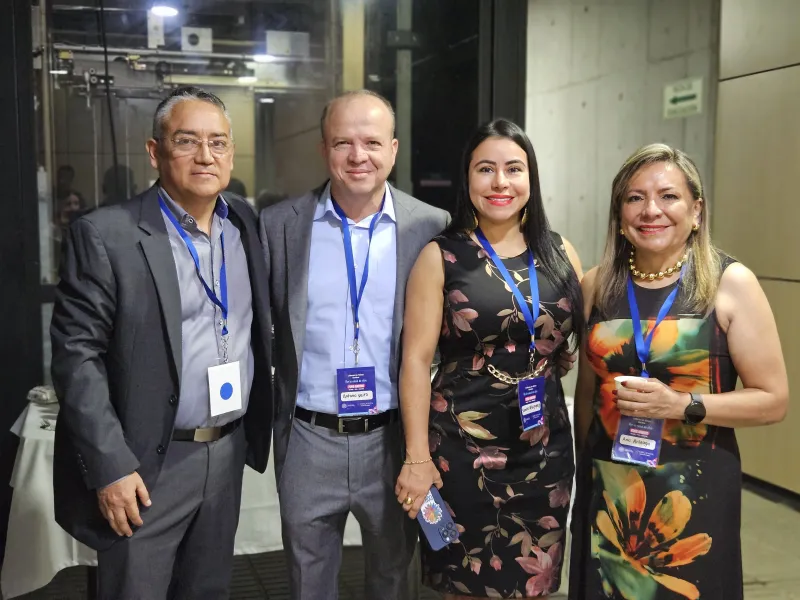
(619, 380)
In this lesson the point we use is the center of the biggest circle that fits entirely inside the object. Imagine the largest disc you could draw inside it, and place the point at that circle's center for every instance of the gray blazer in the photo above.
(116, 336)
(285, 230)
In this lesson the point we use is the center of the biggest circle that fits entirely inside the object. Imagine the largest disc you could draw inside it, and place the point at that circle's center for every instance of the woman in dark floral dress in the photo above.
(670, 531)
(508, 489)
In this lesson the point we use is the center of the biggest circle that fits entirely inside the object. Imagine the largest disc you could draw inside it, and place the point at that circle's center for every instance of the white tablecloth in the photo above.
(37, 548)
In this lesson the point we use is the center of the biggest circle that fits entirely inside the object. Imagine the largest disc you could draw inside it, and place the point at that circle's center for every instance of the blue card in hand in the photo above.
(436, 522)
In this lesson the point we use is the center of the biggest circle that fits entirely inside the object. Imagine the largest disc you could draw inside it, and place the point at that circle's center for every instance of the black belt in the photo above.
(205, 434)
(347, 424)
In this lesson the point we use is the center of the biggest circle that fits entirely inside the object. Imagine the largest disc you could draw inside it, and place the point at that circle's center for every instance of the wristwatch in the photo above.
(696, 411)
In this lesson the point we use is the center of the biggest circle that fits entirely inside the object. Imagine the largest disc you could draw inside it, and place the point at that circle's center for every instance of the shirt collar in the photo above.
(185, 219)
(325, 205)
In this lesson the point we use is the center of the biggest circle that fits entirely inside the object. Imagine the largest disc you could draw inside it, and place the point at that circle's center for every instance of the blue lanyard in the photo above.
(356, 291)
(530, 317)
(642, 344)
(223, 279)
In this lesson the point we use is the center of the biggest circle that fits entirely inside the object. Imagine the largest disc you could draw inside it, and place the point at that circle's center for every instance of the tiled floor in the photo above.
(770, 548)
(770, 543)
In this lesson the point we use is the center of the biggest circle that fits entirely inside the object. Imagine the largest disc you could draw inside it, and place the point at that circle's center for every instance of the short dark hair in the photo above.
(353, 94)
(181, 94)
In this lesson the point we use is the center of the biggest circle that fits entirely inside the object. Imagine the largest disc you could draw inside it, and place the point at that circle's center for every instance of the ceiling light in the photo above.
(162, 10)
(248, 79)
(267, 100)
(263, 58)
(59, 72)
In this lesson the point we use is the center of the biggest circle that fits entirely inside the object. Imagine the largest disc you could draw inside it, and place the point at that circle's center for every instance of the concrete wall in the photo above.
(595, 81)
(757, 157)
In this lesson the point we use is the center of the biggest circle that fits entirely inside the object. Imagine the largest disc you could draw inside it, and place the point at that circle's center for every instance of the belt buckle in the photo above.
(343, 420)
(207, 434)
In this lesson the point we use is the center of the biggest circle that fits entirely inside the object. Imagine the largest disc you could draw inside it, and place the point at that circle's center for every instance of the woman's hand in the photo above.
(566, 362)
(414, 483)
(651, 399)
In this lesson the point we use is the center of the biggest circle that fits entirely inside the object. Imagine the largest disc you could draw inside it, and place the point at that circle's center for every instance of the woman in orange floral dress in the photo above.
(669, 531)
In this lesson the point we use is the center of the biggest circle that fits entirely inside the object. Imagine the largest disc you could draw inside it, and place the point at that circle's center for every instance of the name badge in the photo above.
(638, 441)
(224, 388)
(356, 391)
(531, 402)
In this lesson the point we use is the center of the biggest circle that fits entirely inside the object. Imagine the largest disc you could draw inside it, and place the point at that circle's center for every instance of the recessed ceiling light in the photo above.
(162, 10)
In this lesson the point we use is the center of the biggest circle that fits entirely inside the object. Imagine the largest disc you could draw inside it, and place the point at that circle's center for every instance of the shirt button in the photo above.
(160, 449)
(173, 399)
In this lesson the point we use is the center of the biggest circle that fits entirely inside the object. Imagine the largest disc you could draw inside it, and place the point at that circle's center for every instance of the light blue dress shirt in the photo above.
(329, 324)
(201, 325)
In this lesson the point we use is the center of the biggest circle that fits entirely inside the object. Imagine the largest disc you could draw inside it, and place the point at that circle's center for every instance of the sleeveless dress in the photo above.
(508, 490)
(669, 532)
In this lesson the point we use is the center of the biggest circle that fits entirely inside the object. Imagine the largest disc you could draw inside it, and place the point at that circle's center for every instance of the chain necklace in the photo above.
(660, 274)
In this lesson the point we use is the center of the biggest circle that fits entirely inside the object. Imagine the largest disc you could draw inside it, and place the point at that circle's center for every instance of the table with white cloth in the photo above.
(37, 548)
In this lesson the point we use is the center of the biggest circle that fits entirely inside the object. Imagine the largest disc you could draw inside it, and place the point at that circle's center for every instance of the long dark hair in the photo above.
(553, 261)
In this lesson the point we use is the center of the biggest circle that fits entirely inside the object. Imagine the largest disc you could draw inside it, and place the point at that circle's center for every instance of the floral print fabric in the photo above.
(670, 532)
(507, 490)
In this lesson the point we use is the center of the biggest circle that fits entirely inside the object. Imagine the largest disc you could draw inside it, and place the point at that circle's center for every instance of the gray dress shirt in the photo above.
(201, 326)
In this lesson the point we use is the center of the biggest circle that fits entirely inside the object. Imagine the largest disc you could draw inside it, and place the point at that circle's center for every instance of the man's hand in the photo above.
(118, 503)
(566, 362)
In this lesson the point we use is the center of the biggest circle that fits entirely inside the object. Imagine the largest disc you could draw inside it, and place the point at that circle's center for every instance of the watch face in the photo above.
(695, 412)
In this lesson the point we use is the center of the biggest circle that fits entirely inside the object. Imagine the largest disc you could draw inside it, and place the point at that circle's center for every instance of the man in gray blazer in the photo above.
(161, 362)
(339, 258)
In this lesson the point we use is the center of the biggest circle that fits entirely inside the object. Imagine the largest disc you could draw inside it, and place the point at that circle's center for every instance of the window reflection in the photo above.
(273, 63)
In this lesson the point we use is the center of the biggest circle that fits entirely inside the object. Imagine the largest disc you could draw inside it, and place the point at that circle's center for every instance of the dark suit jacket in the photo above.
(116, 336)
(286, 236)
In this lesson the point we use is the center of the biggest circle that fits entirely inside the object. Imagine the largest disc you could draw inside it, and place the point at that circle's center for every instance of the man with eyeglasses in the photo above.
(161, 363)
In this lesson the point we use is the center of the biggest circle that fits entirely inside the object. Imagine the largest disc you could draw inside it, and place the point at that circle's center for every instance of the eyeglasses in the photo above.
(183, 145)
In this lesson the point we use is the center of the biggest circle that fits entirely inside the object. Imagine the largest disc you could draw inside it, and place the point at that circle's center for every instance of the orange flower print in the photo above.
(634, 553)
(678, 357)
(607, 408)
(608, 338)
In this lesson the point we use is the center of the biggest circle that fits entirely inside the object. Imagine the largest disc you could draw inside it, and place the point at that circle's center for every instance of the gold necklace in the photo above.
(653, 276)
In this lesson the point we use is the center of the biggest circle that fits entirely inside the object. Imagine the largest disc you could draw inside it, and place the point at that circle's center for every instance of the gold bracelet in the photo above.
(417, 462)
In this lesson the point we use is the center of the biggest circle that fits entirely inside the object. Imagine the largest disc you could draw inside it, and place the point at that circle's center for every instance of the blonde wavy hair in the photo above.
(701, 277)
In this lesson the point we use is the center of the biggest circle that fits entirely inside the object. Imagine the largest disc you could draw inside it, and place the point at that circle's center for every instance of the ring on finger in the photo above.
(409, 500)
